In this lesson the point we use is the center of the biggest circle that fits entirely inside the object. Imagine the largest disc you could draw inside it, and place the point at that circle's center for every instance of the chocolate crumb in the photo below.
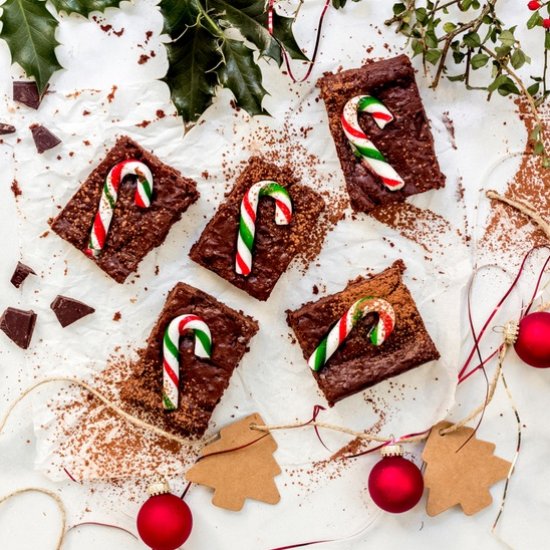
(117, 316)
(21, 272)
(68, 310)
(15, 189)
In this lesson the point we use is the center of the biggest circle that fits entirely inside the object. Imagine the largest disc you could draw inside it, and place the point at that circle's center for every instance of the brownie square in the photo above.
(275, 245)
(406, 142)
(134, 231)
(357, 364)
(202, 381)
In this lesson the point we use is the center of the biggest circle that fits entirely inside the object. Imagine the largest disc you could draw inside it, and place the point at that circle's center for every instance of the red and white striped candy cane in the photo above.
(247, 222)
(340, 331)
(109, 196)
(171, 354)
(362, 146)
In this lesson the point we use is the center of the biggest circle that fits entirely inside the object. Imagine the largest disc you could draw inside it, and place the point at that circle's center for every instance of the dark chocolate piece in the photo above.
(406, 142)
(26, 92)
(18, 325)
(68, 310)
(43, 138)
(134, 231)
(202, 381)
(21, 272)
(275, 246)
(357, 364)
(6, 129)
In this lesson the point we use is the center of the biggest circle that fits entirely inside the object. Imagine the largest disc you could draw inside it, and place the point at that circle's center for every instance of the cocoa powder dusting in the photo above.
(508, 231)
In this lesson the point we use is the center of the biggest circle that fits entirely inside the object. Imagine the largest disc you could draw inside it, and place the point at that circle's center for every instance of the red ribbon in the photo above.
(270, 28)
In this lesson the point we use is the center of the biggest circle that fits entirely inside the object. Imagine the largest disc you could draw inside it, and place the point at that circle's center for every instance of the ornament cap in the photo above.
(391, 450)
(511, 332)
(159, 487)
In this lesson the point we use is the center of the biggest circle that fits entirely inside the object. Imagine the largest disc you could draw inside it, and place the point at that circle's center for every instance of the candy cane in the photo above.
(362, 146)
(247, 222)
(170, 354)
(109, 196)
(340, 331)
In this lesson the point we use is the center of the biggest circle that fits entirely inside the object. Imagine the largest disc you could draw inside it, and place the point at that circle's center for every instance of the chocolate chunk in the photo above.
(43, 138)
(68, 310)
(134, 231)
(26, 92)
(6, 129)
(18, 325)
(21, 272)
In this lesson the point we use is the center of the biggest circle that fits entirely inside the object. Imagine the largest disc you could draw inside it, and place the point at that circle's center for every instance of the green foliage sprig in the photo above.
(462, 37)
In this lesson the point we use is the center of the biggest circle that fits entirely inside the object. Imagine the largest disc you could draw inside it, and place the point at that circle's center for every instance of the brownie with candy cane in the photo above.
(267, 219)
(191, 353)
(125, 208)
(368, 332)
(381, 132)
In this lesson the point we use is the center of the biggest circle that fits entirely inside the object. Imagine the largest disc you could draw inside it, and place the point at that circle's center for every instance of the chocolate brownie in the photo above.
(134, 231)
(275, 245)
(202, 381)
(406, 142)
(357, 364)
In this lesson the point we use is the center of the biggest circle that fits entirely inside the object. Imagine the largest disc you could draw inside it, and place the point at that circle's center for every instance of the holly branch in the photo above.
(460, 37)
(213, 44)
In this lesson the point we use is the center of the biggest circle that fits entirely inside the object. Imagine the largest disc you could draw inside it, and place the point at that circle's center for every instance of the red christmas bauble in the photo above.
(164, 522)
(533, 341)
(396, 484)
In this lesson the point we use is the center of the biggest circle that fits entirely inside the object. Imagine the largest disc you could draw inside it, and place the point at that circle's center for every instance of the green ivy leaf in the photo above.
(29, 30)
(242, 76)
(191, 76)
(479, 60)
(84, 7)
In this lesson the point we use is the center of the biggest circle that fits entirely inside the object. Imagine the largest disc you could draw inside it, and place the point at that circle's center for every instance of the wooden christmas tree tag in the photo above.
(240, 474)
(462, 477)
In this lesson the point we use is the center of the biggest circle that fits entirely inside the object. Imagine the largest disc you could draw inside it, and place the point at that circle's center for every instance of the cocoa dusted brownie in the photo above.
(134, 231)
(275, 246)
(202, 381)
(406, 142)
(357, 364)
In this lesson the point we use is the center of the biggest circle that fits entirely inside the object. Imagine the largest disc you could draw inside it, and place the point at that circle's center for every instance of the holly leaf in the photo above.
(191, 76)
(84, 7)
(29, 29)
(231, 16)
(179, 15)
(242, 76)
(251, 19)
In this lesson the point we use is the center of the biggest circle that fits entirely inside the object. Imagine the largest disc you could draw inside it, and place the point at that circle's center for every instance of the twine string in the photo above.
(55, 498)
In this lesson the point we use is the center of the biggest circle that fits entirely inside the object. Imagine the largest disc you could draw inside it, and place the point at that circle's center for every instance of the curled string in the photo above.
(270, 28)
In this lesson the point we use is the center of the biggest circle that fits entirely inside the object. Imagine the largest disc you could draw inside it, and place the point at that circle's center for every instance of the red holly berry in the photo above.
(534, 5)
(546, 23)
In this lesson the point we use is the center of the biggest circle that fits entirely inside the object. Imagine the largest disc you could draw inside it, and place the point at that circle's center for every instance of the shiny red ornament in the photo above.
(533, 339)
(164, 522)
(395, 483)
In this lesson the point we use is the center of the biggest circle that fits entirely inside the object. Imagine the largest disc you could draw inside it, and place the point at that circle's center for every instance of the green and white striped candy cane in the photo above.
(247, 221)
(362, 146)
(341, 330)
(170, 354)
